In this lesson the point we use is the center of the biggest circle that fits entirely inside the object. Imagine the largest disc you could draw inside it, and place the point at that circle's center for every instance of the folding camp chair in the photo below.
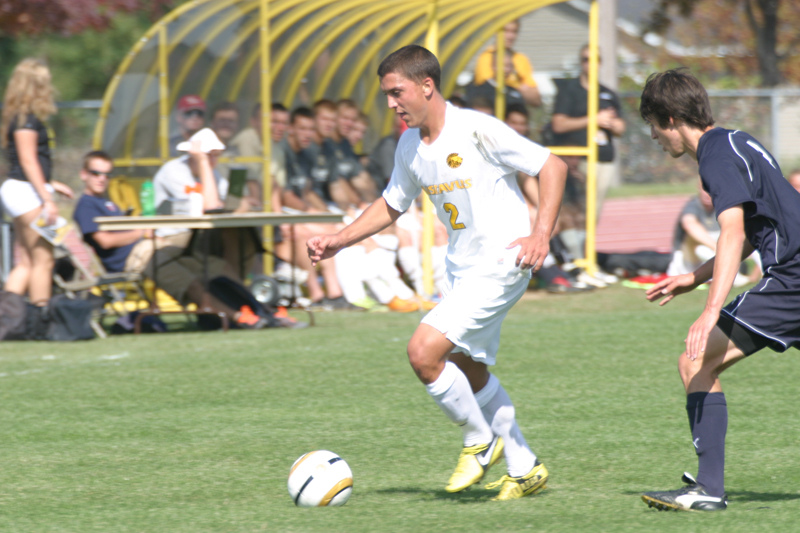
(88, 275)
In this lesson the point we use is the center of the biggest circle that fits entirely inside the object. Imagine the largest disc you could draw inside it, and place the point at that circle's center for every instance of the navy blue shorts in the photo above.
(768, 315)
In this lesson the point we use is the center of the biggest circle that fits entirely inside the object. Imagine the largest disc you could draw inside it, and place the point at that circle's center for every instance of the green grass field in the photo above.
(195, 432)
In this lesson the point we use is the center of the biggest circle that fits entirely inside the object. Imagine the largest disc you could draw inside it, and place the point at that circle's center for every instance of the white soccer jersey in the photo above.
(469, 173)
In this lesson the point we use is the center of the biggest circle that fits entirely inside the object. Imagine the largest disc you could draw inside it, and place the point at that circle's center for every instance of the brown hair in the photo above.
(29, 91)
(414, 63)
(675, 94)
(324, 104)
(96, 154)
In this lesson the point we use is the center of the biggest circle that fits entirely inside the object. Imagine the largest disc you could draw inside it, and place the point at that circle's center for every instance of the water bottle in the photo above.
(147, 198)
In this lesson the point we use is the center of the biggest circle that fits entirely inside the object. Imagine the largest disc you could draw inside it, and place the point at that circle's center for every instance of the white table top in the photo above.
(224, 220)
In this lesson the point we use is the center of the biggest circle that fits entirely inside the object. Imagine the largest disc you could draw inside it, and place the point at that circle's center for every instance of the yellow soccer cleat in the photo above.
(517, 487)
(473, 463)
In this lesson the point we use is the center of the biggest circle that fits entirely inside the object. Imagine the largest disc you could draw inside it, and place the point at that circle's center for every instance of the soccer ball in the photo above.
(320, 479)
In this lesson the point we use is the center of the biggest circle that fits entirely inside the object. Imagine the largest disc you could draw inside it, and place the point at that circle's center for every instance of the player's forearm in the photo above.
(552, 178)
(726, 266)
(209, 190)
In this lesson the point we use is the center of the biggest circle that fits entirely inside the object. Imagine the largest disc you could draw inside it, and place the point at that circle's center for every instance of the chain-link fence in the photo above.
(771, 116)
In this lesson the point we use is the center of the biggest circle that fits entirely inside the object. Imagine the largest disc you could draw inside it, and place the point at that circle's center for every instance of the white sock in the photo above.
(382, 291)
(387, 270)
(498, 410)
(410, 260)
(348, 262)
(452, 393)
(575, 241)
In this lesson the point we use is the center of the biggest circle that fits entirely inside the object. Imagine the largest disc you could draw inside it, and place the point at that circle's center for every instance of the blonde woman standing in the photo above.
(28, 192)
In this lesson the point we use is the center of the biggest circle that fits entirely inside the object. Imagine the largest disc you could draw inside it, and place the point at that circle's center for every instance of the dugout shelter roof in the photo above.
(289, 51)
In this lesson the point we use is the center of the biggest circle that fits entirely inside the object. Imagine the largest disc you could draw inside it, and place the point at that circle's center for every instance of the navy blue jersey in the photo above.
(89, 207)
(737, 170)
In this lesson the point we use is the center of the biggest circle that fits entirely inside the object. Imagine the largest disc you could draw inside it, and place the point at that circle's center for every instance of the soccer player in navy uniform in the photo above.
(757, 209)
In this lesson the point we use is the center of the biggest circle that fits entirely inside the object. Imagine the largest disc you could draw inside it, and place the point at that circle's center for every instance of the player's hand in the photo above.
(671, 287)
(322, 247)
(532, 252)
(697, 339)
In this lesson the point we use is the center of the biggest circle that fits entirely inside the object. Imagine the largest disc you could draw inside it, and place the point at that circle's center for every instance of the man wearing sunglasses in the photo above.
(132, 250)
(191, 117)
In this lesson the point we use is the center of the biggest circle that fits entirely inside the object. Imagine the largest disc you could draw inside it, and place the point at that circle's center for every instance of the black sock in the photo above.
(708, 419)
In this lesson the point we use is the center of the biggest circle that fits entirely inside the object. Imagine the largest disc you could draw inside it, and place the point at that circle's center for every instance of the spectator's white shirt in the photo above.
(170, 185)
(469, 173)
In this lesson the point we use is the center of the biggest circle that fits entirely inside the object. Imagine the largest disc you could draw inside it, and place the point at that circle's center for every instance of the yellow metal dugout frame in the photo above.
(298, 51)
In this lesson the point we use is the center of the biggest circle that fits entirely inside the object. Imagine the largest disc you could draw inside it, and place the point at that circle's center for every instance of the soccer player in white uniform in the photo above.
(467, 163)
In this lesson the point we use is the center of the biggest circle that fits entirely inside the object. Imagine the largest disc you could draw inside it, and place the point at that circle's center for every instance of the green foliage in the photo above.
(195, 432)
(82, 63)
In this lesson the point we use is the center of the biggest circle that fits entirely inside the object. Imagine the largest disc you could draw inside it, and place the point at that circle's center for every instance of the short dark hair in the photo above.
(458, 101)
(277, 106)
(301, 112)
(675, 94)
(414, 63)
(96, 154)
(517, 108)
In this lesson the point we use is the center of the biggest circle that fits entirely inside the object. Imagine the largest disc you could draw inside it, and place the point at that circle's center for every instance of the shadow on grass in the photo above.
(741, 496)
(471, 495)
(745, 496)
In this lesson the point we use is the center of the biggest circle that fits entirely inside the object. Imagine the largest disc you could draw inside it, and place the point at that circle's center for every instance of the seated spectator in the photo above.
(305, 194)
(190, 116)
(518, 119)
(348, 164)
(695, 240)
(381, 160)
(196, 172)
(248, 143)
(224, 121)
(358, 133)
(518, 69)
(132, 251)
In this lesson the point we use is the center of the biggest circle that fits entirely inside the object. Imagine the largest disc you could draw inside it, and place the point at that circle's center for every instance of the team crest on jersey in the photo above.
(454, 160)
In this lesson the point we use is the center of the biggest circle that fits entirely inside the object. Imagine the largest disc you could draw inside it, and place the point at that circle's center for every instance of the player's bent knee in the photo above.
(426, 367)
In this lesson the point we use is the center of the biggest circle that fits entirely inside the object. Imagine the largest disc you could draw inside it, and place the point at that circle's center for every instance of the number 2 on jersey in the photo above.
(453, 210)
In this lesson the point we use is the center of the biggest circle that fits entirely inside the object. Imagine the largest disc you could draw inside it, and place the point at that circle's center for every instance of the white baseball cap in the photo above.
(208, 141)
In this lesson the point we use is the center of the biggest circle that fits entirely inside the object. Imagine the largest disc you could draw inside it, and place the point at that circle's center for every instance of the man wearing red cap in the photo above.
(190, 116)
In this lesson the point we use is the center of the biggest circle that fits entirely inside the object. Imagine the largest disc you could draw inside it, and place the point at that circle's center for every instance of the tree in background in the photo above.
(752, 35)
(83, 41)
